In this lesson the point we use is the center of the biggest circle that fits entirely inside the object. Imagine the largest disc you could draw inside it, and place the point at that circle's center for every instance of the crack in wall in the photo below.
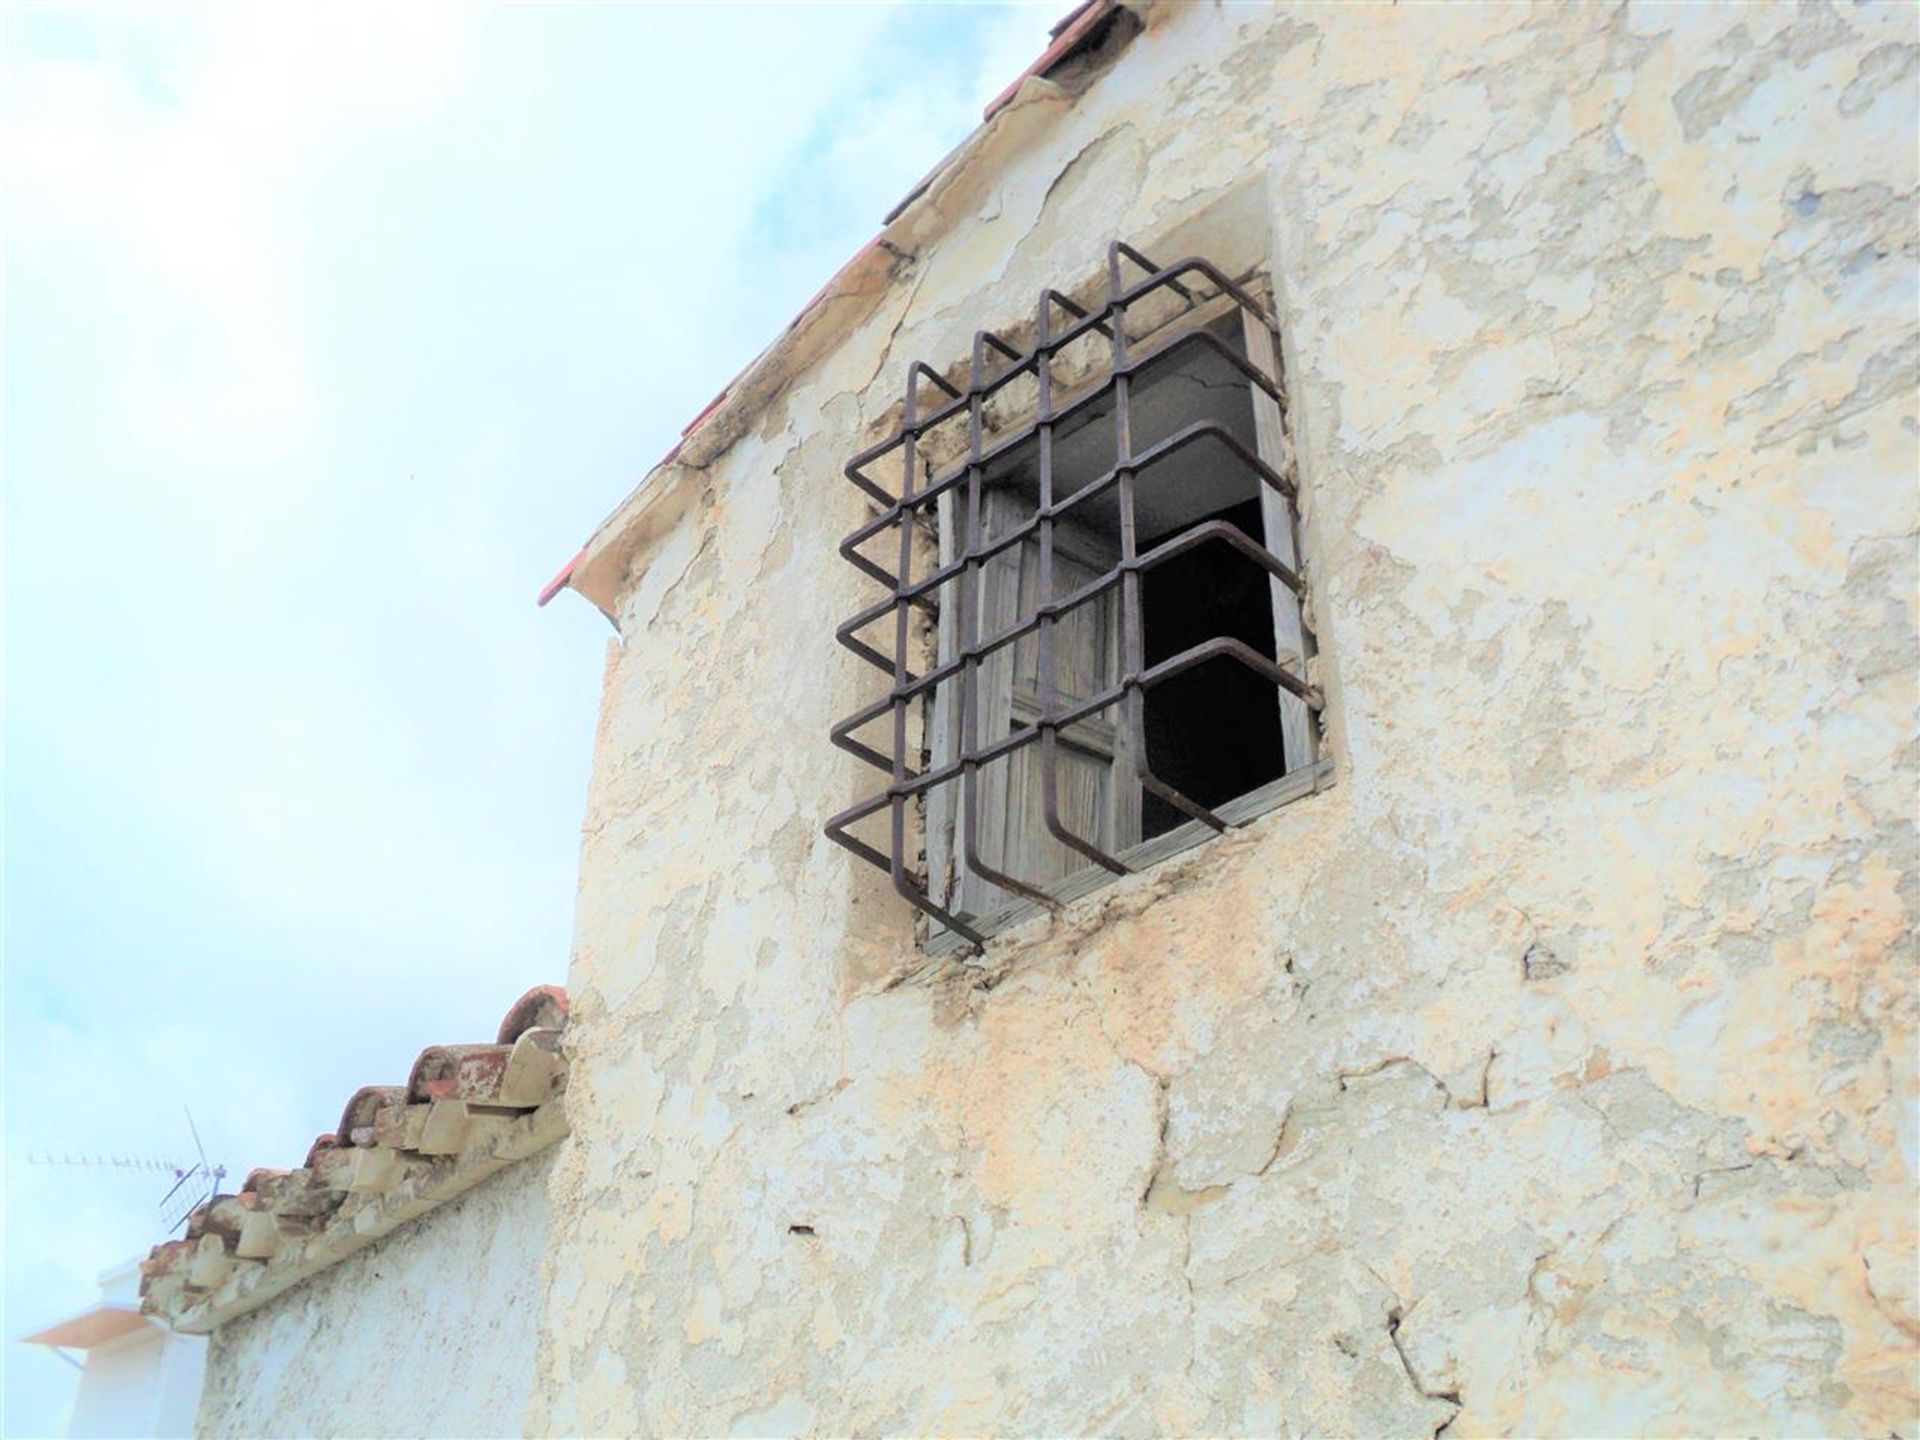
(1903, 1320)
(1281, 1135)
(1647, 338)
(1163, 1109)
(1451, 1397)
(801, 1107)
(1476, 1101)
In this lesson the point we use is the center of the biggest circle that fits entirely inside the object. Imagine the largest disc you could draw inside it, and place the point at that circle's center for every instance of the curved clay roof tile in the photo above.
(367, 1102)
(256, 1175)
(311, 1196)
(329, 1141)
(218, 1216)
(542, 1005)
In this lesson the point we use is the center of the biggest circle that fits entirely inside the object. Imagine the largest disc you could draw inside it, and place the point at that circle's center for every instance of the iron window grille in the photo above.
(1013, 635)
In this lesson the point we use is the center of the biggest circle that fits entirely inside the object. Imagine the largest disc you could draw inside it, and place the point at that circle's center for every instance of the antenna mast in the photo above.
(194, 1182)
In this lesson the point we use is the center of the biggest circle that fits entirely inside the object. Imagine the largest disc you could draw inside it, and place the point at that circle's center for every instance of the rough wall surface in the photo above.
(430, 1331)
(1554, 1072)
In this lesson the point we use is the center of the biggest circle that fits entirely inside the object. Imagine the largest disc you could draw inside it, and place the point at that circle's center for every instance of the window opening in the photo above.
(1094, 625)
(1213, 732)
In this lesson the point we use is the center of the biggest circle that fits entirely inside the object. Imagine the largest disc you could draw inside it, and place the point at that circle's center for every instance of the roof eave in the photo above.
(599, 572)
(95, 1326)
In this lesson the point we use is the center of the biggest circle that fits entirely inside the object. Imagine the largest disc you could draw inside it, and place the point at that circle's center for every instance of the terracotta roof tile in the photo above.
(400, 1150)
(542, 1005)
(256, 1177)
(559, 582)
(711, 406)
(1072, 30)
(356, 1121)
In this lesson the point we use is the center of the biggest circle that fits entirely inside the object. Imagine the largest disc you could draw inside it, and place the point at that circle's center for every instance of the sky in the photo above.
(327, 335)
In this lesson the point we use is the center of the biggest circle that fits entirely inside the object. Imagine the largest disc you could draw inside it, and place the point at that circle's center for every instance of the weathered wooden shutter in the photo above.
(1289, 632)
(1094, 801)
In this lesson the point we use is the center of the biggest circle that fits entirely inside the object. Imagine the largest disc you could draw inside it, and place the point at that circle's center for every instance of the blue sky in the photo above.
(329, 334)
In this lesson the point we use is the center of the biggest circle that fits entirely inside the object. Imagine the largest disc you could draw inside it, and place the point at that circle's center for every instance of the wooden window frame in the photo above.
(932, 860)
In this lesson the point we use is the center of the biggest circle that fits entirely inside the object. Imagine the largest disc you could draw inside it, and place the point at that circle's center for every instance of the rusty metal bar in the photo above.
(903, 881)
(920, 590)
(1132, 622)
(1048, 616)
(911, 777)
(970, 668)
(892, 509)
(1094, 320)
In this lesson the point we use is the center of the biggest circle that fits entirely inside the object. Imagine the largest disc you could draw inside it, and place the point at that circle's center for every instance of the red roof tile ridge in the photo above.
(363, 1106)
(711, 406)
(256, 1176)
(1072, 28)
(1067, 19)
(559, 582)
(328, 1141)
(542, 1005)
(400, 1150)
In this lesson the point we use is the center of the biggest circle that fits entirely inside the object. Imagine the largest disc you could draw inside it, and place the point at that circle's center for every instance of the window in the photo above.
(1093, 633)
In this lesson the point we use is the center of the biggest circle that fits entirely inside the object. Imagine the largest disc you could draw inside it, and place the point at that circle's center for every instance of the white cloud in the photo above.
(330, 331)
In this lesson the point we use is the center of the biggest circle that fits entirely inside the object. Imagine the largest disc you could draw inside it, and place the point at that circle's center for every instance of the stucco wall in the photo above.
(429, 1331)
(1554, 1072)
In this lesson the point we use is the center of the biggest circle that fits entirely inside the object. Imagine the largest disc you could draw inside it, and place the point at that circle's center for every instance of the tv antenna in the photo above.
(192, 1186)
(194, 1182)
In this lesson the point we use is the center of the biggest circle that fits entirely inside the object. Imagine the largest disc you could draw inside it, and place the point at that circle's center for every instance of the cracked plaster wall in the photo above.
(1554, 1072)
(429, 1331)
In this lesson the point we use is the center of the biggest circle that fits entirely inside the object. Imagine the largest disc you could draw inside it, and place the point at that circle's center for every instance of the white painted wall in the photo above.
(428, 1332)
(141, 1384)
(147, 1384)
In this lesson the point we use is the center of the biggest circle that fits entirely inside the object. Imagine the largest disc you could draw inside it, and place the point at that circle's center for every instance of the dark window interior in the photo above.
(1213, 732)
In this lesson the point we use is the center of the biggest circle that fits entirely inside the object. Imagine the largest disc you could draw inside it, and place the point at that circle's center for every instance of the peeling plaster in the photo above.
(1554, 1073)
